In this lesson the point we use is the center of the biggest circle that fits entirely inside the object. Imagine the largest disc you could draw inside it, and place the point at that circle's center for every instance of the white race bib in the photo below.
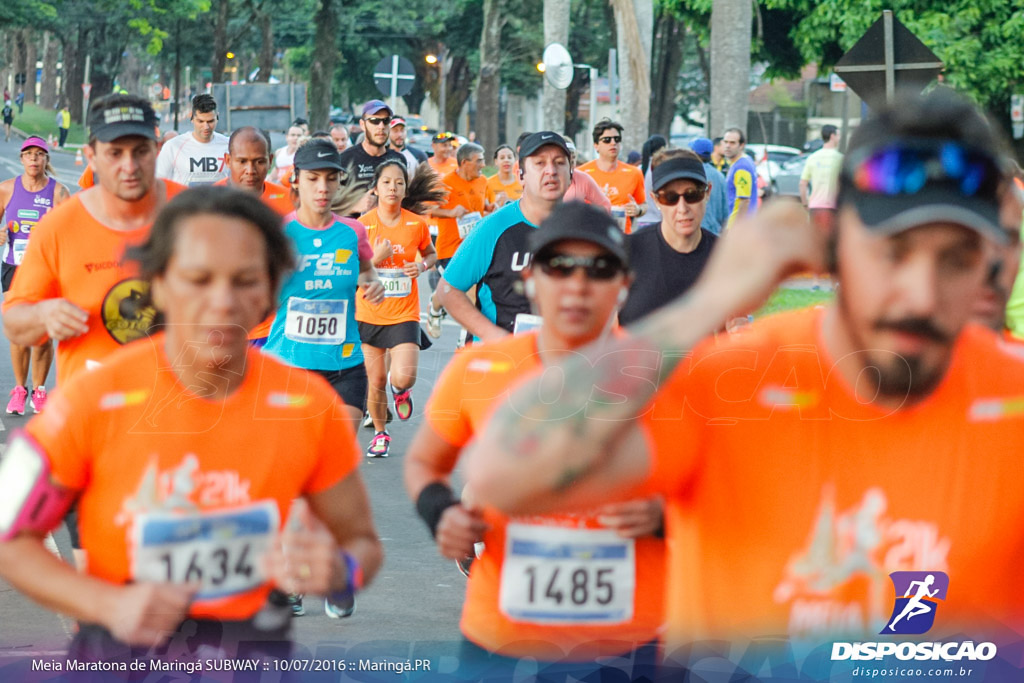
(619, 214)
(18, 248)
(553, 575)
(316, 321)
(467, 223)
(396, 283)
(525, 322)
(222, 550)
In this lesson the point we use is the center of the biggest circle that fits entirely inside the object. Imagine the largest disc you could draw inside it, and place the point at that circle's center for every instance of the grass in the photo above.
(38, 121)
(785, 299)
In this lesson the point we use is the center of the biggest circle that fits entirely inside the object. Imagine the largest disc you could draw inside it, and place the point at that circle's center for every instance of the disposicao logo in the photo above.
(913, 613)
(917, 596)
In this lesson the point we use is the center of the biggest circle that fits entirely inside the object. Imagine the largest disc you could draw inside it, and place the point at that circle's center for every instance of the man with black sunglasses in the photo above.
(622, 183)
(670, 257)
(811, 461)
(363, 159)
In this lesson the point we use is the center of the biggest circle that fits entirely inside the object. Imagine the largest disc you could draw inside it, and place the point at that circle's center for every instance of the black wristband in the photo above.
(433, 500)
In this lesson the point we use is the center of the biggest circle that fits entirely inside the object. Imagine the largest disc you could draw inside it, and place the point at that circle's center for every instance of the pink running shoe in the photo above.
(16, 406)
(38, 400)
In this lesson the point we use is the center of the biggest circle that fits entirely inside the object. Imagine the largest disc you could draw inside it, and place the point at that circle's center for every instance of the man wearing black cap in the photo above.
(494, 254)
(670, 256)
(364, 158)
(74, 284)
(797, 457)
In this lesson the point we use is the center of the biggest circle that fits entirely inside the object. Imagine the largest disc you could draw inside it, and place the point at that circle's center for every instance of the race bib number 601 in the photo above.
(567, 576)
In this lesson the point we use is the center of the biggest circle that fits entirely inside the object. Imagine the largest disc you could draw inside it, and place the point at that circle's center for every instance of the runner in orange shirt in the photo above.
(73, 285)
(558, 588)
(622, 183)
(173, 450)
(248, 160)
(504, 186)
(467, 203)
(808, 459)
(443, 162)
(392, 327)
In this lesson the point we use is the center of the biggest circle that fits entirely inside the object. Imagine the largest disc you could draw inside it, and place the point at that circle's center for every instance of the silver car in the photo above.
(787, 180)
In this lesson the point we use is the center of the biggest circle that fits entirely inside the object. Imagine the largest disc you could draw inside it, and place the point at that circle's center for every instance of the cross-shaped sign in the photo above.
(887, 58)
(394, 76)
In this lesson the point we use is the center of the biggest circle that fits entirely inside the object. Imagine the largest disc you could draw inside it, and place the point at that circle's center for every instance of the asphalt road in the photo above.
(413, 605)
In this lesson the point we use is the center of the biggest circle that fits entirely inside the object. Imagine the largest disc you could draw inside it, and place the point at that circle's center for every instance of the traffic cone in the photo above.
(78, 157)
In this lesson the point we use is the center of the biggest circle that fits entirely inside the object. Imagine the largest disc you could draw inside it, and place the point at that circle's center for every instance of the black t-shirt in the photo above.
(660, 272)
(8, 114)
(363, 165)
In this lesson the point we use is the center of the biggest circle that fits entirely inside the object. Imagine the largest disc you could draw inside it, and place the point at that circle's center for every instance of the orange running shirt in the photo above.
(513, 190)
(87, 179)
(73, 256)
(409, 237)
(460, 193)
(444, 169)
(499, 615)
(619, 185)
(279, 199)
(791, 498)
(153, 462)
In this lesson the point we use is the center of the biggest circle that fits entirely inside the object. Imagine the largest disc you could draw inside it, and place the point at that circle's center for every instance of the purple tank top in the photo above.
(22, 213)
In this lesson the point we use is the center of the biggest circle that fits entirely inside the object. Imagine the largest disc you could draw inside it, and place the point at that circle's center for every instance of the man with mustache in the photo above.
(809, 458)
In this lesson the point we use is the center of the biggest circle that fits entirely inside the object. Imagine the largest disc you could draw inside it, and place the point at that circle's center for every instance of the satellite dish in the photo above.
(557, 66)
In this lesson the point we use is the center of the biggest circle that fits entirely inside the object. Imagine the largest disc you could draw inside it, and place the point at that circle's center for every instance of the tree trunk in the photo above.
(488, 89)
(730, 64)
(220, 41)
(556, 30)
(20, 60)
(48, 94)
(325, 59)
(459, 86)
(634, 22)
(31, 57)
(266, 57)
(667, 60)
(74, 68)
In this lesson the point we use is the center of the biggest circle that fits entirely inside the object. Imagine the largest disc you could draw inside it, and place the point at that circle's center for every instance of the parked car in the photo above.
(787, 180)
(339, 115)
(769, 160)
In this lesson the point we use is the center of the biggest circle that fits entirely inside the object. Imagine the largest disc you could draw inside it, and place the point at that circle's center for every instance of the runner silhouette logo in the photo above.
(917, 599)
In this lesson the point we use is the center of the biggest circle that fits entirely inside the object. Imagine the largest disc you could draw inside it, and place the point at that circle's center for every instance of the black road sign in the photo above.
(394, 76)
(887, 59)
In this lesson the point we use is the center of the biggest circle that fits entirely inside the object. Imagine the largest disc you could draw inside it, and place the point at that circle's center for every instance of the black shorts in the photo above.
(7, 275)
(351, 384)
(390, 336)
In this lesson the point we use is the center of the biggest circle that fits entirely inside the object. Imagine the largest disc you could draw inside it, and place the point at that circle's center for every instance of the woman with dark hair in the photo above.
(391, 328)
(173, 451)
(504, 186)
(652, 146)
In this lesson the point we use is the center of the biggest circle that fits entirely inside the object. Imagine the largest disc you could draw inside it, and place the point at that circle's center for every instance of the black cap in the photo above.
(122, 118)
(316, 154)
(443, 136)
(534, 142)
(679, 168)
(580, 221)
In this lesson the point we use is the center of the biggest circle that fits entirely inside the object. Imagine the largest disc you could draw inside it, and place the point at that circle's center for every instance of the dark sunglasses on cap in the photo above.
(377, 120)
(906, 168)
(562, 266)
(694, 195)
(611, 138)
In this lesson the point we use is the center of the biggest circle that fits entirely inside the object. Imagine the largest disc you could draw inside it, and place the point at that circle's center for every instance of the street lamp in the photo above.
(442, 62)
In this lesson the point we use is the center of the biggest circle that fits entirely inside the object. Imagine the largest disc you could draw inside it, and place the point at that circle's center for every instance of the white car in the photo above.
(769, 160)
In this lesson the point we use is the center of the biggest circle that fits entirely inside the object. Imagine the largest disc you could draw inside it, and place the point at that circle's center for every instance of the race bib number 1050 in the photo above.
(316, 321)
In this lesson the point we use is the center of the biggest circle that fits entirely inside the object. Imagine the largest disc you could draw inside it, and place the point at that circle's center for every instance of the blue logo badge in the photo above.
(917, 596)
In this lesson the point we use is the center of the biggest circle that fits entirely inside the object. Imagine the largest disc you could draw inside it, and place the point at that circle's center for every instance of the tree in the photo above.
(634, 21)
(488, 89)
(324, 62)
(670, 38)
(556, 30)
(730, 64)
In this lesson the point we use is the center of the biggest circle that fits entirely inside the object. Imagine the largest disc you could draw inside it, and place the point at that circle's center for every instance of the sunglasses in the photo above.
(377, 120)
(907, 168)
(562, 266)
(611, 138)
(694, 195)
